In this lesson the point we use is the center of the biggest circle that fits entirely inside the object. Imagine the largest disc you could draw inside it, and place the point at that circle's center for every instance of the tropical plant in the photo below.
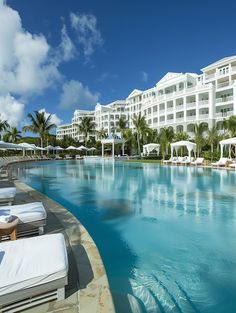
(166, 137)
(40, 124)
(199, 131)
(13, 134)
(141, 129)
(101, 134)
(122, 125)
(230, 125)
(181, 136)
(212, 138)
(86, 127)
(3, 126)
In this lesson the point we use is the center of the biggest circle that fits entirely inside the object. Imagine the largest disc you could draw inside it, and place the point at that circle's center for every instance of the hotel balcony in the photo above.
(224, 99)
(161, 122)
(203, 116)
(224, 114)
(191, 105)
(225, 84)
(179, 107)
(203, 103)
(179, 119)
(170, 109)
(191, 118)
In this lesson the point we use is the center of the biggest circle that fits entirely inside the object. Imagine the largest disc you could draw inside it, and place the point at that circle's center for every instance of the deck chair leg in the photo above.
(13, 235)
(61, 294)
(41, 230)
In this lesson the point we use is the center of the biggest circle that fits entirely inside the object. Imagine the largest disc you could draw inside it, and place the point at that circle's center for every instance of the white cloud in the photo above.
(105, 76)
(26, 66)
(54, 118)
(11, 110)
(66, 50)
(88, 34)
(144, 76)
(76, 94)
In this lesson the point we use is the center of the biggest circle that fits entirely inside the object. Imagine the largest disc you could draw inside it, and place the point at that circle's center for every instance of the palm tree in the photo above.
(13, 134)
(140, 128)
(230, 125)
(86, 127)
(40, 124)
(181, 136)
(3, 126)
(101, 134)
(166, 137)
(199, 135)
(212, 138)
(122, 125)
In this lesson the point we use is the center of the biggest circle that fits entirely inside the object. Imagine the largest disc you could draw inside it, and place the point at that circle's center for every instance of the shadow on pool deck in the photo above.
(88, 290)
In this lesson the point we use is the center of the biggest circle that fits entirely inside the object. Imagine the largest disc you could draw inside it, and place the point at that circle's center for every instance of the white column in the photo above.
(234, 97)
(197, 107)
(123, 148)
(113, 150)
(212, 103)
(103, 150)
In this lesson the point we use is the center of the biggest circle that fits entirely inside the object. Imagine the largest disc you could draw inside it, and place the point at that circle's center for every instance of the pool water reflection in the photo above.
(167, 235)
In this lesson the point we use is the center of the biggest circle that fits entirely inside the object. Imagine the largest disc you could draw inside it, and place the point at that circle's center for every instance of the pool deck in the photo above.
(88, 289)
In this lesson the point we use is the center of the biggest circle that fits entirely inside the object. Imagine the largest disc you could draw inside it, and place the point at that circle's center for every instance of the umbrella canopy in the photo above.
(92, 149)
(8, 145)
(82, 148)
(39, 148)
(26, 146)
(191, 146)
(227, 142)
(58, 148)
(71, 148)
(50, 147)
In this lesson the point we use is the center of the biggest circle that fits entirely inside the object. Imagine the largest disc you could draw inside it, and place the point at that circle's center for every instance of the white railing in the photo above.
(233, 69)
(190, 105)
(179, 107)
(225, 84)
(170, 120)
(170, 109)
(191, 117)
(161, 122)
(161, 97)
(203, 103)
(189, 89)
(209, 76)
(171, 94)
(203, 116)
(179, 119)
(161, 111)
(224, 99)
(180, 92)
(224, 114)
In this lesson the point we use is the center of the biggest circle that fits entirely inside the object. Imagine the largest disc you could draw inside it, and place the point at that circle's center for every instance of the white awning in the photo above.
(151, 147)
(191, 146)
(227, 142)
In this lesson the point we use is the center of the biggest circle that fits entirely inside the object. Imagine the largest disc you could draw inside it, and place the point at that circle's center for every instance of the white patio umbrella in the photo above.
(82, 148)
(71, 148)
(26, 146)
(58, 148)
(8, 145)
(50, 147)
(92, 149)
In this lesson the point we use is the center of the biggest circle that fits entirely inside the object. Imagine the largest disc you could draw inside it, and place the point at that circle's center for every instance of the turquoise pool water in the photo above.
(167, 235)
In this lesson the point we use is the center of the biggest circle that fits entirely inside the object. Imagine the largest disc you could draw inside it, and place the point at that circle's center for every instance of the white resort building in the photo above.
(178, 100)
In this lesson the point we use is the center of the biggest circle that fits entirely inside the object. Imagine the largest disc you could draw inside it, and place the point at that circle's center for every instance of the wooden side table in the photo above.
(9, 229)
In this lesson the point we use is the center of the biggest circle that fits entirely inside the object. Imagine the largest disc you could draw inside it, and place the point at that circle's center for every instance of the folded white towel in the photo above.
(6, 218)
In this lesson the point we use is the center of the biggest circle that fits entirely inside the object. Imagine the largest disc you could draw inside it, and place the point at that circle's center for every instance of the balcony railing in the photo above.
(204, 116)
(161, 122)
(203, 103)
(162, 111)
(179, 107)
(190, 105)
(225, 84)
(180, 119)
(191, 117)
(233, 69)
(211, 76)
(224, 99)
(224, 114)
(170, 109)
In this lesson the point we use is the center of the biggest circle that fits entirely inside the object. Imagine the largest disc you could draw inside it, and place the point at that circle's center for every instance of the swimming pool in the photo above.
(167, 235)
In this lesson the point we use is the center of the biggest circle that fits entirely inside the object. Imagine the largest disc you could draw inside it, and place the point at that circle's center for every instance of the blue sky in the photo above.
(70, 54)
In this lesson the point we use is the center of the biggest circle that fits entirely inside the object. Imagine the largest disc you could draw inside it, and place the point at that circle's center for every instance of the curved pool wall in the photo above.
(167, 235)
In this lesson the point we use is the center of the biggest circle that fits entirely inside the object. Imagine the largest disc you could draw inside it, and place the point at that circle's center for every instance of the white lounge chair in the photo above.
(33, 271)
(7, 195)
(187, 160)
(168, 161)
(198, 161)
(178, 160)
(32, 217)
(233, 165)
(68, 157)
(221, 162)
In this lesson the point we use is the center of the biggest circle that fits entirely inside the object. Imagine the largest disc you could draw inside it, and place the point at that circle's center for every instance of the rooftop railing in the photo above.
(224, 99)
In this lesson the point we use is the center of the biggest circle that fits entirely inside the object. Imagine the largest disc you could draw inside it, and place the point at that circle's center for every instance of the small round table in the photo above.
(9, 229)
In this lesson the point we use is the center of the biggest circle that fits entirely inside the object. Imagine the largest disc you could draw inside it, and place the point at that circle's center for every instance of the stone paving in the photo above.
(88, 289)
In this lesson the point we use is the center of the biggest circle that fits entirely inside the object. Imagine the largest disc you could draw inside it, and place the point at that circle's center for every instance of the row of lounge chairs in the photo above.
(223, 162)
(184, 161)
(33, 270)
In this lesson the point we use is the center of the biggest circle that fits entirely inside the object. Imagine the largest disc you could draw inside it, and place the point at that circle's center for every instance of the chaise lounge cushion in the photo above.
(29, 212)
(31, 262)
(8, 192)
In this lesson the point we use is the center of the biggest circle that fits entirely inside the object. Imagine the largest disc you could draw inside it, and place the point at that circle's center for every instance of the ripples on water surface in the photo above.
(167, 235)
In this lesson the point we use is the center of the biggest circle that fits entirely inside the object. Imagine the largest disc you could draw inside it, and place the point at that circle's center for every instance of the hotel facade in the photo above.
(178, 100)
